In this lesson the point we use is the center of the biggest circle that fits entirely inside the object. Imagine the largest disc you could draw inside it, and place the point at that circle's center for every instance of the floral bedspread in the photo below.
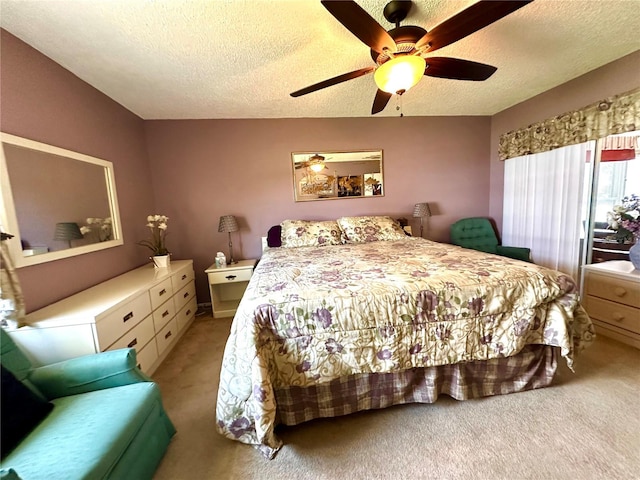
(313, 314)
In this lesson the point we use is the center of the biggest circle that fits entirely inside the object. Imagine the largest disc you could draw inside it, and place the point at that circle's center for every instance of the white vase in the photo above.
(161, 261)
(634, 254)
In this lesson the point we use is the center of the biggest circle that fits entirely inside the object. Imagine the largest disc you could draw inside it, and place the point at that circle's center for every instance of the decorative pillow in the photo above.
(274, 236)
(309, 233)
(22, 410)
(370, 229)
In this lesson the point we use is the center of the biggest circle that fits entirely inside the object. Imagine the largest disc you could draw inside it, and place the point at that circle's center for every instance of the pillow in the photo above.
(370, 229)
(9, 474)
(22, 410)
(309, 233)
(274, 238)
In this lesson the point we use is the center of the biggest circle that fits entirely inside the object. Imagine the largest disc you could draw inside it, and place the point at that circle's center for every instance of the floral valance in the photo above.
(617, 114)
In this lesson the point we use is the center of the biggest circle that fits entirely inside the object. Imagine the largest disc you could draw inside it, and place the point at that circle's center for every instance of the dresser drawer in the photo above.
(182, 278)
(137, 337)
(621, 316)
(183, 296)
(241, 275)
(167, 336)
(162, 315)
(185, 315)
(113, 326)
(160, 293)
(614, 289)
(147, 356)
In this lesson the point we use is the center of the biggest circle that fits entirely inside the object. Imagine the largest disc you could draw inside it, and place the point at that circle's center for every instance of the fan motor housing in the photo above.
(406, 34)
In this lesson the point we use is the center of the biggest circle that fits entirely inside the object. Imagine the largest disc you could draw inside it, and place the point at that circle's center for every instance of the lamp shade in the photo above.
(67, 231)
(400, 73)
(228, 223)
(421, 210)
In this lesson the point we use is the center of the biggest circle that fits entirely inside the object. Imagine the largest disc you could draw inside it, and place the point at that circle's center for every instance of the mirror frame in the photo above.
(9, 219)
(332, 191)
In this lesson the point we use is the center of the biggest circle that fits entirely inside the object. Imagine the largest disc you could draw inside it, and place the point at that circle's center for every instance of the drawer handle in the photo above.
(133, 343)
(188, 312)
(230, 277)
(186, 294)
(620, 292)
(167, 335)
(165, 313)
(184, 276)
(162, 292)
(128, 316)
(618, 317)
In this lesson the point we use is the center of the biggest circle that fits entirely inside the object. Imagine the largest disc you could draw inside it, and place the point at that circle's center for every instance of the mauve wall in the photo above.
(42, 101)
(206, 168)
(614, 78)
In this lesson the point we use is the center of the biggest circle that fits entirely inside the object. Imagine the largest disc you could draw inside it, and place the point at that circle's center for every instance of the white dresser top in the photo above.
(85, 306)
(616, 268)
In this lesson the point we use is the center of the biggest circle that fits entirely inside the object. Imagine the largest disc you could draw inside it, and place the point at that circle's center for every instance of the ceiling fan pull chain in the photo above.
(399, 105)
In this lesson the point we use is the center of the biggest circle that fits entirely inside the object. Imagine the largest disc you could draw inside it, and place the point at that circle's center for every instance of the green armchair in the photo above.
(478, 234)
(103, 417)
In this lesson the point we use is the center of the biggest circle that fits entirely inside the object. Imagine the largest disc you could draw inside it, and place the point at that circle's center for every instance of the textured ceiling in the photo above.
(177, 59)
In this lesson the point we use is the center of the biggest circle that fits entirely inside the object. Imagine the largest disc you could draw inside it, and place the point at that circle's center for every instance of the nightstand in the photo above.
(612, 300)
(227, 285)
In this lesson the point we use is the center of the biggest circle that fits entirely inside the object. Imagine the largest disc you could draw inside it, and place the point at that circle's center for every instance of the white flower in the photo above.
(150, 219)
(84, 229)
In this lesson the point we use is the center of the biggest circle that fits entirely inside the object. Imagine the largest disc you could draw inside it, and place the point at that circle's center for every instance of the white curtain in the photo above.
(542, 206)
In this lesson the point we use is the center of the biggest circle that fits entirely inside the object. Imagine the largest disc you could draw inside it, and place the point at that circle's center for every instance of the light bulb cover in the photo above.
(400, 73)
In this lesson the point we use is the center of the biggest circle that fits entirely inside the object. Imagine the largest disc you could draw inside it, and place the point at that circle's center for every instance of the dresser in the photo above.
(612, 300)
(147, 309)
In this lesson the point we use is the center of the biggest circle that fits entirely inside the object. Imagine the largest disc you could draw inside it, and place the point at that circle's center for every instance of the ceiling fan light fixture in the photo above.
(400, 73)
(316, 163)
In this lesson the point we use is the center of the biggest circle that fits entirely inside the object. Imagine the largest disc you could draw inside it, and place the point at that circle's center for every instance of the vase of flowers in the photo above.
(625, 220)
(100, 228)
(158, 226)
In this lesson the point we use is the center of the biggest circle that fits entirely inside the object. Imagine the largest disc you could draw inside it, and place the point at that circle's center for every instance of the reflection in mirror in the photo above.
(335, 175)
(56, 202)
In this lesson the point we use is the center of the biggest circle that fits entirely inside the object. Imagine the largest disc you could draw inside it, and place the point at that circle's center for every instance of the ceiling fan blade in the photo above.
(457, 69)
(360, 23)
(332, 81)
(380, 102)
(470, 20)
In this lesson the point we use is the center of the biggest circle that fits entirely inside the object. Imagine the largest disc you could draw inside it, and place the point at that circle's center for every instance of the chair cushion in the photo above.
(21, 411)
(474, 233)
(86, 435)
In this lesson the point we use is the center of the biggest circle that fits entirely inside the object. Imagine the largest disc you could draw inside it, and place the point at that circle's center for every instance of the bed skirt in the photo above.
(533, 367)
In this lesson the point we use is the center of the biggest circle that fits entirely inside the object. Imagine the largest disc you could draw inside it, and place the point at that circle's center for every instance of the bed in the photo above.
(359, 316)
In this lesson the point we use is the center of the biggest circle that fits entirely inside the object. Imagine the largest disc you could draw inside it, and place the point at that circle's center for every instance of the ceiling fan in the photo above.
(401, 53)
(315, 163)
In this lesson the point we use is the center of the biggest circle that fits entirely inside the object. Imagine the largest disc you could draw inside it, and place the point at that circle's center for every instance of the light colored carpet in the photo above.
(585, 426)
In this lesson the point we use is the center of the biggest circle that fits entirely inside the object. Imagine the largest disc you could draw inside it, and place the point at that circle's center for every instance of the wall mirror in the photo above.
(57, 203)
(337, 175)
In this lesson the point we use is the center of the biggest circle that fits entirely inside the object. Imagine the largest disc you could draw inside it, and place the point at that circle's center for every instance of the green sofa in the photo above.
(477, 233)
(106, 419)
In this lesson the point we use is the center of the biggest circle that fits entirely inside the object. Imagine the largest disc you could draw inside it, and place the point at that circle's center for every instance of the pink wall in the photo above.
(42, 101)
(206, 168)
(614, 78)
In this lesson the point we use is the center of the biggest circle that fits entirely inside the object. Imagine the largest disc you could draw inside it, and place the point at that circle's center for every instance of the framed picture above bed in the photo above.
(337, 175)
